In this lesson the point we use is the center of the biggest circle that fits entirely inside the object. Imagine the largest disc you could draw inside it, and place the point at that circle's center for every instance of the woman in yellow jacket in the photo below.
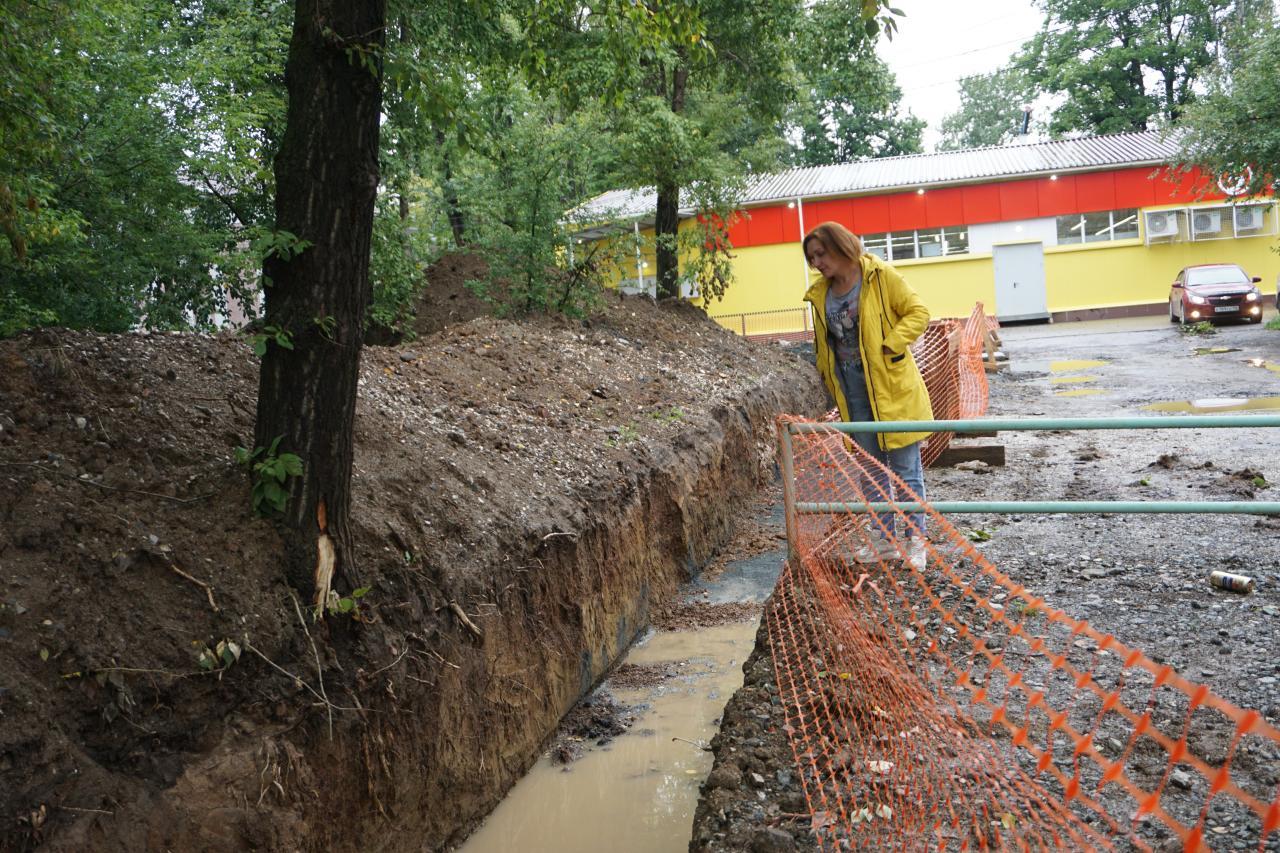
(865, 318)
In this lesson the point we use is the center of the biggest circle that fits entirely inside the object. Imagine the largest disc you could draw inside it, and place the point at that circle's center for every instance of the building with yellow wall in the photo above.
(1056, 230)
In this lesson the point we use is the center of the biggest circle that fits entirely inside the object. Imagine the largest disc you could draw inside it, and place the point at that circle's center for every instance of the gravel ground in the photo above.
(1142, 578)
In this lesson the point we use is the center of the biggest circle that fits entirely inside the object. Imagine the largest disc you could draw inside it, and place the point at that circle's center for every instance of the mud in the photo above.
(636, 792)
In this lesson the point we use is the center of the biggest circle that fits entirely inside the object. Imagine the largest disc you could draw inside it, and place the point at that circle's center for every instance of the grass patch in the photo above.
(1274, 323)
(1204, 327)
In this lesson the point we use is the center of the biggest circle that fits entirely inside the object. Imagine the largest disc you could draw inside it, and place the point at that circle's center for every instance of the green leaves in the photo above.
(270, 471)
(270, 334)
(1237, 122)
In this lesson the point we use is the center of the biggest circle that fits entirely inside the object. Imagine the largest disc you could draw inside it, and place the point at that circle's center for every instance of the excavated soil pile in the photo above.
(523, 492)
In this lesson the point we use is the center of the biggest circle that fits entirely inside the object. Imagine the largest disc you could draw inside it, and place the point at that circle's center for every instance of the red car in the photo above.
(1215, 292)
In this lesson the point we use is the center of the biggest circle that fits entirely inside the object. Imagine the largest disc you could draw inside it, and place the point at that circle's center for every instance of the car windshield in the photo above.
(1216, 275)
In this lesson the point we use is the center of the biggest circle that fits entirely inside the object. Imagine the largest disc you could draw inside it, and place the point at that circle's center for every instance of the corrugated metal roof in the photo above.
(912, 171)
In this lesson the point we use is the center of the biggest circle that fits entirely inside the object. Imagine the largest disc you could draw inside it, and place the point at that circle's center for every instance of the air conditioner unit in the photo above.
(1249, 218)
(1162, 223)
(1206, 222)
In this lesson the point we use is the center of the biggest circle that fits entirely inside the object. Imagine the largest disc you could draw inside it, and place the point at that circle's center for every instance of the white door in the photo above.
(1019, 270)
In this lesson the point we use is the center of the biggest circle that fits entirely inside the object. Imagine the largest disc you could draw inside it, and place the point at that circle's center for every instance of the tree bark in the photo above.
(666, 221)
(452, 204)
(326, 180)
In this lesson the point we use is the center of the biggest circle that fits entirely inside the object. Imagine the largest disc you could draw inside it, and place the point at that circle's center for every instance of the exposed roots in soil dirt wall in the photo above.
(522, 493)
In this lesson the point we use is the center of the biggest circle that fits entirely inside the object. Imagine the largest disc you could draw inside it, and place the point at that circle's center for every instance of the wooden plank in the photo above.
(992, 454)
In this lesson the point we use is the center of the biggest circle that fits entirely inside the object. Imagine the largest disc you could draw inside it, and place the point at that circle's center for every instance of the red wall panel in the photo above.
(1171, 186)
(1018, 200)
(765, 226)
(871, 214)
(1096, 191)
(906, 210)
(739, 234)
(944, 207)
(832, 210)
(790, 224)
(1054, 198)
(981, 204)
(1134, 187)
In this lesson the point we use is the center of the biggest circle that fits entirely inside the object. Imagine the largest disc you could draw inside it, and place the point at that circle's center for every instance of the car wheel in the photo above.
(1173, 318)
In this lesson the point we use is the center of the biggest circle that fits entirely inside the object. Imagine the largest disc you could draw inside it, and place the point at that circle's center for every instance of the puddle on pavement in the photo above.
(1217, 404)
(1072, 380)
(1078, 392)
(1215, 350)
(1067, 366)
(1263, 363)
(638, 793)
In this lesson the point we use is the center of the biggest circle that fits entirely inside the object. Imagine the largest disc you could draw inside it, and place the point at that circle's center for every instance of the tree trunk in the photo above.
(452, 205)
(326, 179)
(666, 222)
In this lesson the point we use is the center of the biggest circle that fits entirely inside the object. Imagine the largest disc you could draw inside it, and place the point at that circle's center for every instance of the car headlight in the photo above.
(1252, 297)
(1196, 300)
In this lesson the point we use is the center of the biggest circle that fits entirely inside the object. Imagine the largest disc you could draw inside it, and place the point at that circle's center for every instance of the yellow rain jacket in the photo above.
(890, 314)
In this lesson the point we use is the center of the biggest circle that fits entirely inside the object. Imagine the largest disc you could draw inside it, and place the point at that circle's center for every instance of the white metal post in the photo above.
(804, 264)
(639, 268)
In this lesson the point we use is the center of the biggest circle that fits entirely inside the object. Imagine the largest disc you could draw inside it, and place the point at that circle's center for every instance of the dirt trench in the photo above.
(523, 493)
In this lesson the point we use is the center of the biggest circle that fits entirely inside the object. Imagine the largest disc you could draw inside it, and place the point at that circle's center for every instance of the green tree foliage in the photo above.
(1235, 127)
(1122, 65)
(849, 104)
(109, 232)
(990, 111)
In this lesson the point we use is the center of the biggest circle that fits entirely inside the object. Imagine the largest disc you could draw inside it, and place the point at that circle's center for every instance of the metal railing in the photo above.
(787, 431)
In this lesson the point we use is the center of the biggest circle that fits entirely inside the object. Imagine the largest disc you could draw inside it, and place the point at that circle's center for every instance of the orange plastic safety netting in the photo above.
(947, 707)
(949, 355)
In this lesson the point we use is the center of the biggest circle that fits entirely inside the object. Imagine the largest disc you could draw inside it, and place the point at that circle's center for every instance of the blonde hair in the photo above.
(835, 238)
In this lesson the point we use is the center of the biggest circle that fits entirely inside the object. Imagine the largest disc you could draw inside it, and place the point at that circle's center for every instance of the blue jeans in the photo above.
(903, 461)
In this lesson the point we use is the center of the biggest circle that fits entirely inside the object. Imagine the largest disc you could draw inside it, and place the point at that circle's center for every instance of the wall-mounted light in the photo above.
(791, 205)
(920, 191)
(1018, 228)
(645, 265)
(1053, 177)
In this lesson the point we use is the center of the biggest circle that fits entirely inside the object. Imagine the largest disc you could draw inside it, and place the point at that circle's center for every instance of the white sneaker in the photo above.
(917, 557)
(876, 551)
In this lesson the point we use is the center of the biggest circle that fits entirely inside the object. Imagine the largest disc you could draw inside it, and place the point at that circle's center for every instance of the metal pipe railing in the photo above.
(1032, 424)
(794, 507)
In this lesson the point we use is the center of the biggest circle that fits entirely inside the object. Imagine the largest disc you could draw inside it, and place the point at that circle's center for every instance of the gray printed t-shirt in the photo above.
(842, 325)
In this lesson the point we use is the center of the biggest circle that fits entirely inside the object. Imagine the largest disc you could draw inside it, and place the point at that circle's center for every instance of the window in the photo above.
(955, 241)
(929, 241)
(923, 243)
(1098, 227)
(877, 244)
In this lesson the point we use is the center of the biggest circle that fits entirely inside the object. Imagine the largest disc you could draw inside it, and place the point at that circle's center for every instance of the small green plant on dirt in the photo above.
(269, 334)
(1023, 609)
(348, 605)
(625, 435)
(980, 534)
(675, 413)
(271, 470)
(1144, 482)
(1204, 327)
(222, 655)
(1273, 324)
(1260, 482)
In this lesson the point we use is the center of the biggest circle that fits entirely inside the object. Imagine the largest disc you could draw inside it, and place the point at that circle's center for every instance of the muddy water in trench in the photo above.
(638, 793)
